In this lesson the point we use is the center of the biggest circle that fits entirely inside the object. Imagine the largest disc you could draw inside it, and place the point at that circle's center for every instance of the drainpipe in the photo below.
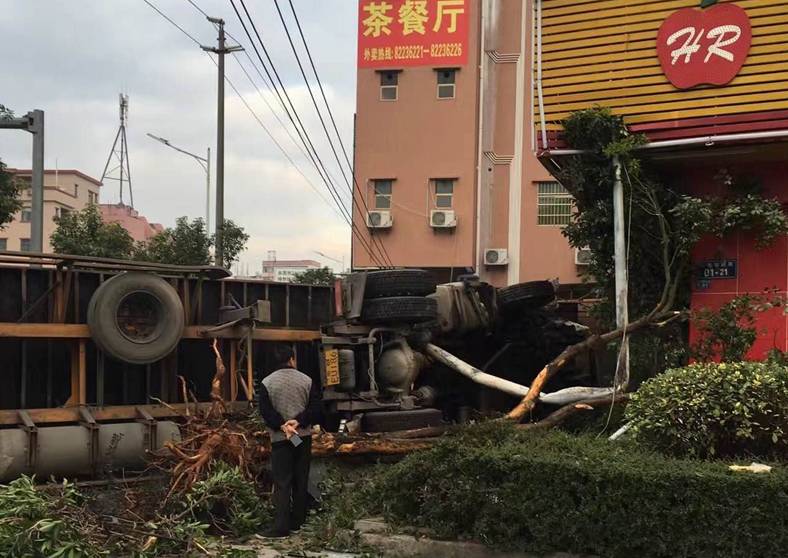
(620, 256)
(539, 71)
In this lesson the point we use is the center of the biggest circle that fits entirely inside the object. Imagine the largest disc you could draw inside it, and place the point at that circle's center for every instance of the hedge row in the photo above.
(556, 492)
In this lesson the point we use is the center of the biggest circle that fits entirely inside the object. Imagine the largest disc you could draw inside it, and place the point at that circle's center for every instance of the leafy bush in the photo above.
(556, 492)
(714, 410)
(37, 523)
(228, 501)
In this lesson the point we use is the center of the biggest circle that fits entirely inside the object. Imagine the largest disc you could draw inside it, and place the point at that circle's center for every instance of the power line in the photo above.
(181, 29)
(295, 120)
(379, 246)
(323, 123)
(348, 219)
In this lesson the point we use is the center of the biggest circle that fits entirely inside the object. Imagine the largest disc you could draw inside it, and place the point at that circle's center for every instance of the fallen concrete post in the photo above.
(561, 397)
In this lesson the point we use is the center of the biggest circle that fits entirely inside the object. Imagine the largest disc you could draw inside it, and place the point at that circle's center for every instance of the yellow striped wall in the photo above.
(603, 52)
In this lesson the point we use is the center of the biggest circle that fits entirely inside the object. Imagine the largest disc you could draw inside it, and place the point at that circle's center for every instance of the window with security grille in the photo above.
(382, 193)
(444, 192)
(389, 82)
(554, 204)
(446, 85)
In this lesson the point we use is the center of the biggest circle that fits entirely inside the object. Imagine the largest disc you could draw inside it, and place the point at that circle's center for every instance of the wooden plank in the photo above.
(113, 413)
(83, 373)
(233, 370)
(81, 331)
(249, 368)
(73, 397)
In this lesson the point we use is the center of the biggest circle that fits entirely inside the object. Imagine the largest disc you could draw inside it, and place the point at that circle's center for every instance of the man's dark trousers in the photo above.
(290, 470)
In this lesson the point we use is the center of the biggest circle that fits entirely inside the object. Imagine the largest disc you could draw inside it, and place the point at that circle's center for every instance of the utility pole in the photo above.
(220, 51)
(33, 122)
(621, 275)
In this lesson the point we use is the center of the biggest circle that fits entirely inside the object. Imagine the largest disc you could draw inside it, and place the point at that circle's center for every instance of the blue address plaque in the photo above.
(718, 269)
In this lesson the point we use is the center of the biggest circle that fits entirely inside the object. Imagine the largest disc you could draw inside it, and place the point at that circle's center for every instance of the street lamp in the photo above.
(205, 163)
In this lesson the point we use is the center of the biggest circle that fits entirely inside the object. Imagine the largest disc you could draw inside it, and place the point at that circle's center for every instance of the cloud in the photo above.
(73, 58)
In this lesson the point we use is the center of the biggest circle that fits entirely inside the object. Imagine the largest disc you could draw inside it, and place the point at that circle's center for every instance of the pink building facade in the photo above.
(130, 219)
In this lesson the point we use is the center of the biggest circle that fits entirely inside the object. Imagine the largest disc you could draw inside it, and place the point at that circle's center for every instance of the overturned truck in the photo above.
(103, 358)
(406, 353)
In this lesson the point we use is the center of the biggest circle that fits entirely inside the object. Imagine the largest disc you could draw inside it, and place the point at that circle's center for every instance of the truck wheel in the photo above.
(136, 317)
(533, 294)
(399, 282)
(399, 309)
(391, 421)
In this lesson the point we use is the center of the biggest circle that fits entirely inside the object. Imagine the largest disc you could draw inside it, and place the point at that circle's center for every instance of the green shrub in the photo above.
(559, 493)
(714, 410)
(41, 523)
(227, 501)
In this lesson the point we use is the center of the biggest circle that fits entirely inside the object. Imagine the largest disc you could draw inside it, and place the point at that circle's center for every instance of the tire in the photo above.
(533, 294)
(136, 317)
(391, 421)
(399, 282)
(399, 309)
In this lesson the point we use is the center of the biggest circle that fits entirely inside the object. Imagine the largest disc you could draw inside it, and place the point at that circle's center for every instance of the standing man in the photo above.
(289, 404)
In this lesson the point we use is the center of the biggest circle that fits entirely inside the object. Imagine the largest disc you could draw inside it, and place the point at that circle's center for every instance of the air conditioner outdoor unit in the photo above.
(443, 219)
(583, 256)
(379, 219)
(496, 256)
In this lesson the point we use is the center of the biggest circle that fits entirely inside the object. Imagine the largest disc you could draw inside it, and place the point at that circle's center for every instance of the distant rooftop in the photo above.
(291, 263)
(82, 175)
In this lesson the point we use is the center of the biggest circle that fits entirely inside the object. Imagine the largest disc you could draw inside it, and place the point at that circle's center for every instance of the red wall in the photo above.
(757, 269)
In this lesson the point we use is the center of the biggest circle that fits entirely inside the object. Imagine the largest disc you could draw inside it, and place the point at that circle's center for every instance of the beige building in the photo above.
(445, 151)
(64, 191)
(285, 270)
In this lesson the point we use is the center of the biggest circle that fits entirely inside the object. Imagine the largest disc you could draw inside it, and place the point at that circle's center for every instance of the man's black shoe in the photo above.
(274, 534)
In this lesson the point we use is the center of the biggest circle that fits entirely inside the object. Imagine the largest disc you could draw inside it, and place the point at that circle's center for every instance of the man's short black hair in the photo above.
(282, 354)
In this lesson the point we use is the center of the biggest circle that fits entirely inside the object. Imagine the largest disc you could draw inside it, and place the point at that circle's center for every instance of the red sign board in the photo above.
(704, 46)
(396, 33)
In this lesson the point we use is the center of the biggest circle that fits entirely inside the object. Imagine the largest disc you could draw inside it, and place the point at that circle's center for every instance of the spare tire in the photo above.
(399, 282)
(399, 309)
(533, 294)
(136, 317)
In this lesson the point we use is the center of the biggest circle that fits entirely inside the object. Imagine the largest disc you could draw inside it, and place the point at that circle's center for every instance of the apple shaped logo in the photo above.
(704, 46)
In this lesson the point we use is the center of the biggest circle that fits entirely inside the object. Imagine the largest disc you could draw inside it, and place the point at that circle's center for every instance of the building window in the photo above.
(26, 215)
(3, 244)
(446, 87)
(24, 244)
(388, 85)
(382, 191)
(61, 212)
(76, 190)
(554, 204)
(92, 198)
(444, 192)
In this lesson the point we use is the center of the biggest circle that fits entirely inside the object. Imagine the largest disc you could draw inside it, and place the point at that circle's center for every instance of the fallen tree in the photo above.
(663, 226)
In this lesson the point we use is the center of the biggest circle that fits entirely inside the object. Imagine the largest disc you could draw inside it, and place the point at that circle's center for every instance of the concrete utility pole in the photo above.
(220, 51)
(33, 122)
(622, 286)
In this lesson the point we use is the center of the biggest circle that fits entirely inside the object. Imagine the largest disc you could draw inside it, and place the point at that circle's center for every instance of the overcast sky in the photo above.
(71, 58)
